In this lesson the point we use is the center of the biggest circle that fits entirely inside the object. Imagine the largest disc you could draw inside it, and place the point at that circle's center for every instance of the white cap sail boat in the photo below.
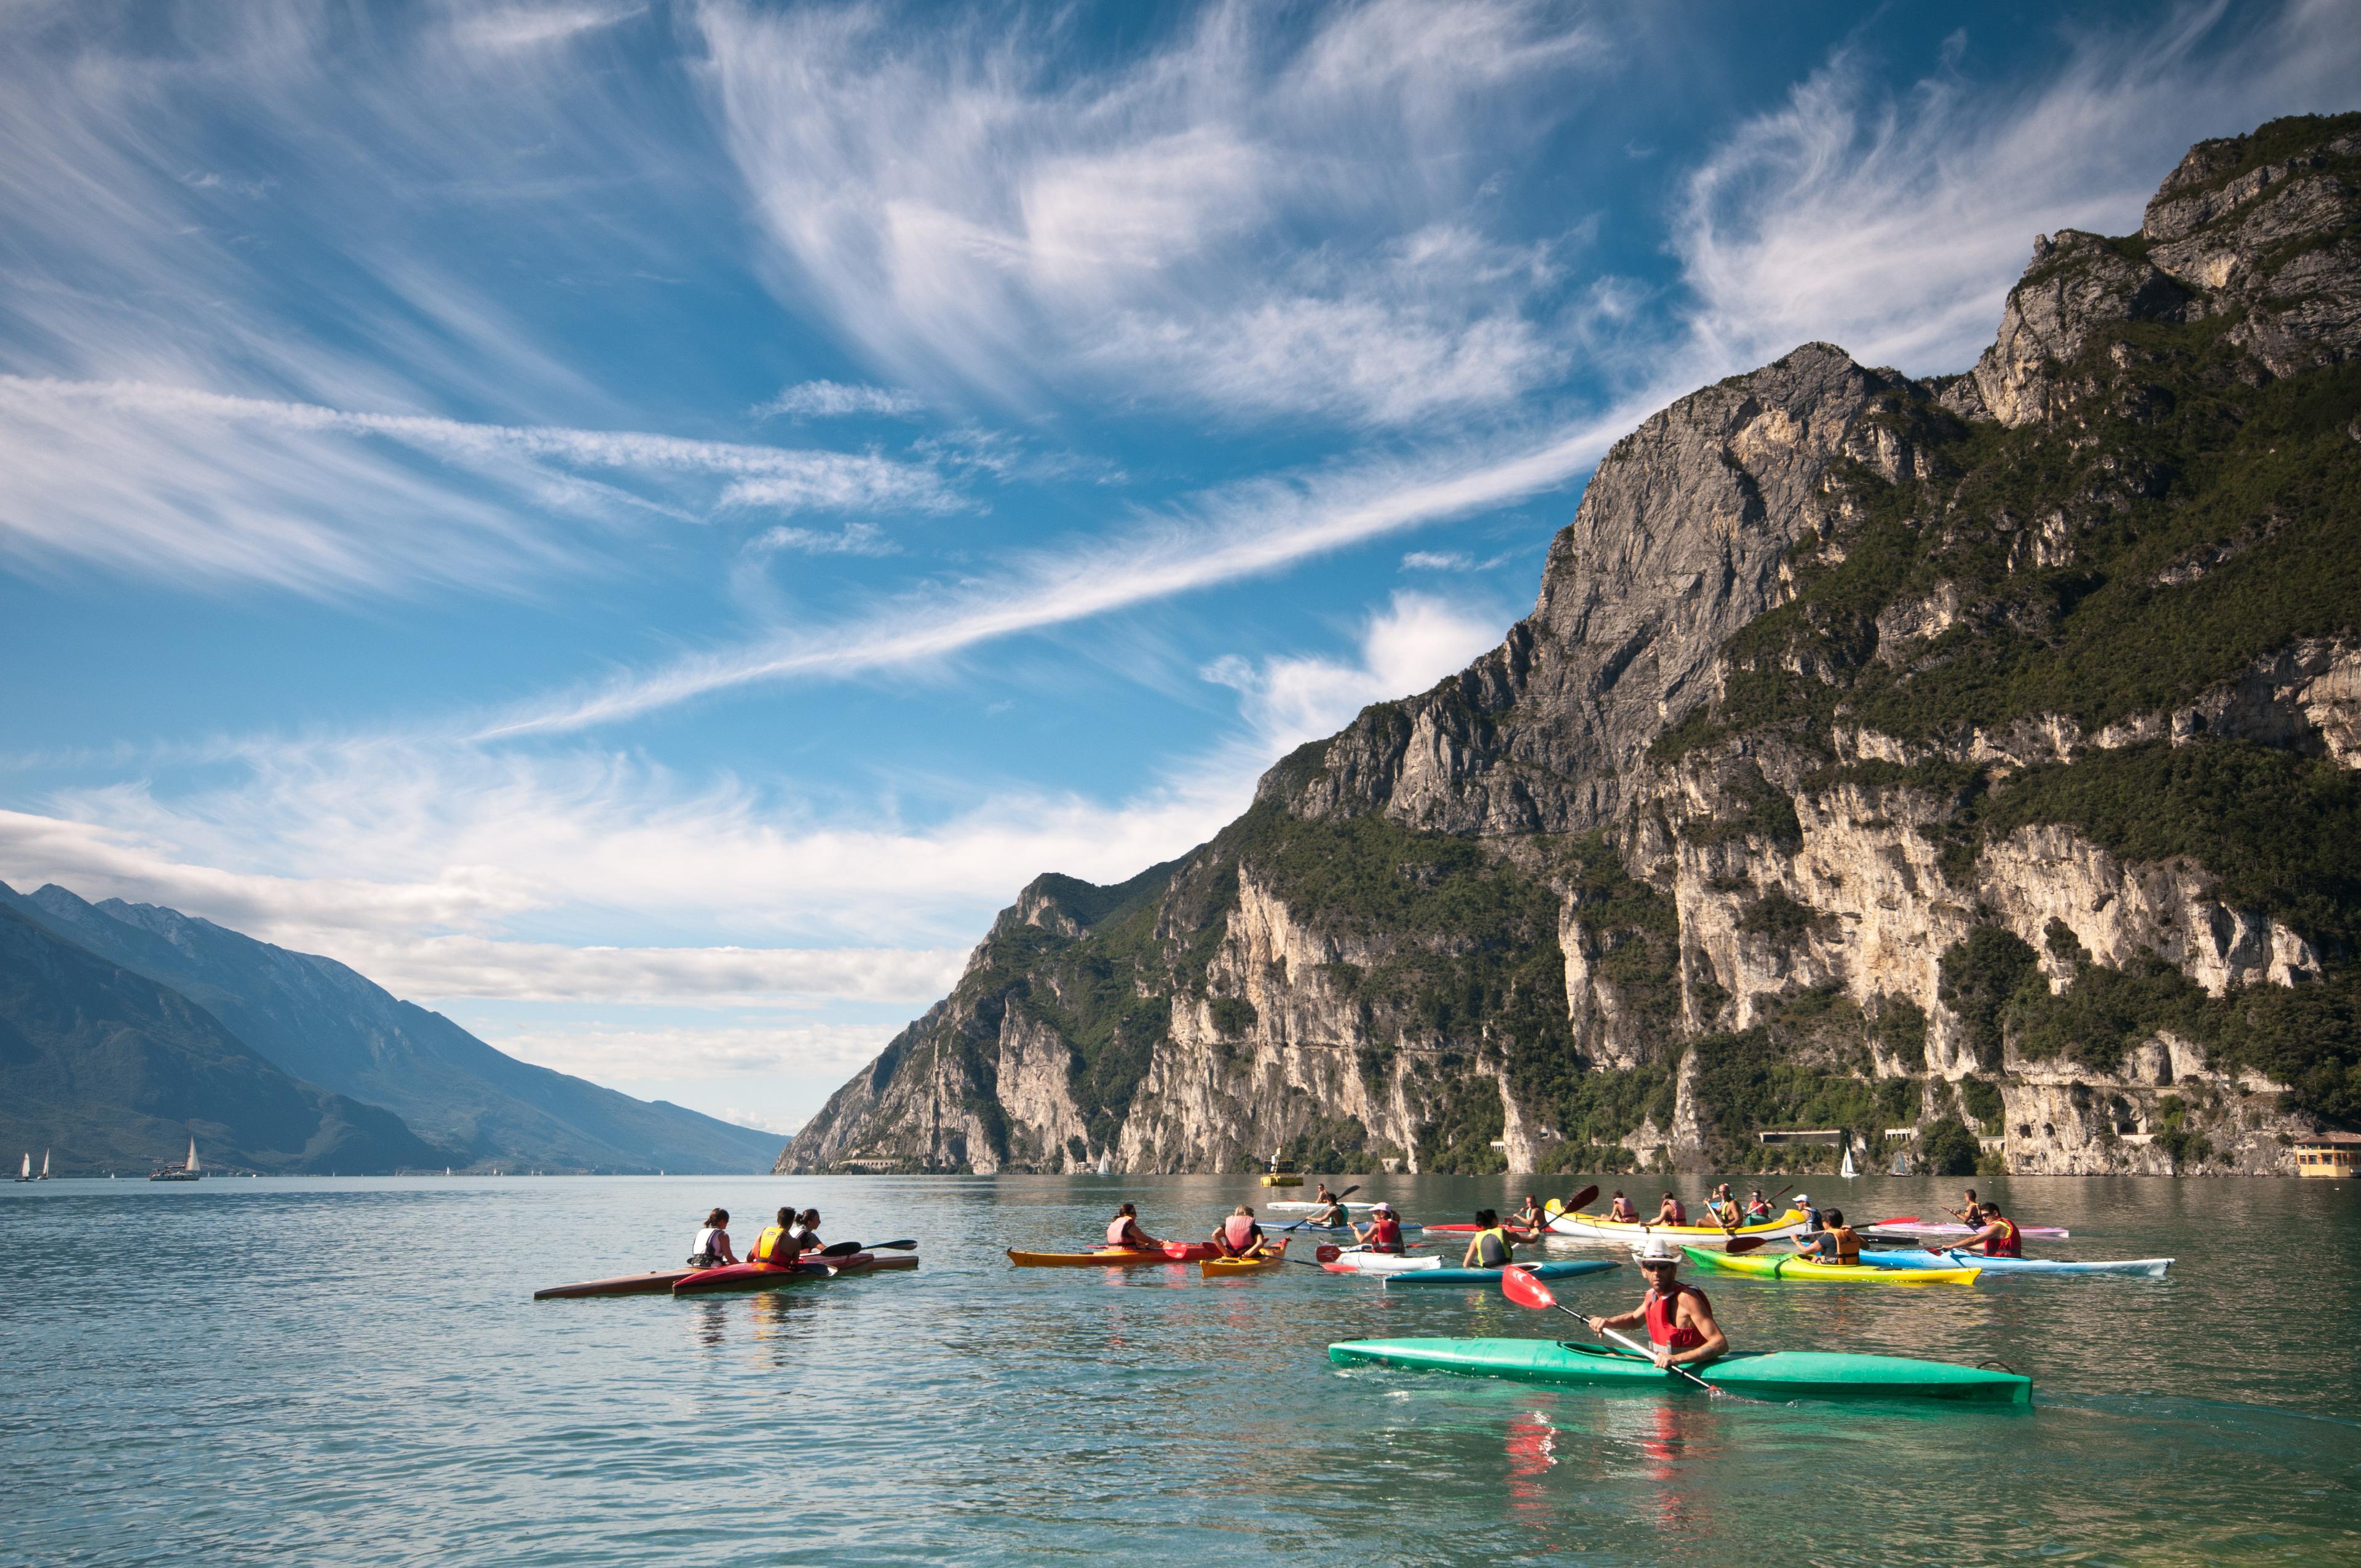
(25, 1171)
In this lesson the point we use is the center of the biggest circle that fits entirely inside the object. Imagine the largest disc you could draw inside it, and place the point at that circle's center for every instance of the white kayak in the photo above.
(1379, 1263)
(1900, 1228)
(1294, 1208)
(2153, 1267)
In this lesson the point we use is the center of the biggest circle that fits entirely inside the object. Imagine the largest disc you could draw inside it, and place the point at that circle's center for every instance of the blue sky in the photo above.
(641, 526)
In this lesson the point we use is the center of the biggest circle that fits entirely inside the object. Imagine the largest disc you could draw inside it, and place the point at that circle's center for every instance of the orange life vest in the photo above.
(774, 1246)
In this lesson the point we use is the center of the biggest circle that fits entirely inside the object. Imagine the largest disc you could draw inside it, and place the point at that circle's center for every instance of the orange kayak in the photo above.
(1222, 1267)
(1116, 1257)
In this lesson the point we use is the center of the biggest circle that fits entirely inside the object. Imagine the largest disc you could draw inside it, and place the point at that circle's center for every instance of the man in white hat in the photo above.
(1383, 1232)
(1679, 1318)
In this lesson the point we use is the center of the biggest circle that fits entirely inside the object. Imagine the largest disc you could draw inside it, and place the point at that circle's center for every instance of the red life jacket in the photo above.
(1238, 1233)
(1124, 1231)
(1664, 1325)
(1385, 1233)
(1680, 1212)
(2008, 1243)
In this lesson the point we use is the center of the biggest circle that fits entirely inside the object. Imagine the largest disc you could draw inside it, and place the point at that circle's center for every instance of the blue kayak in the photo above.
(1492, 1276)
(1303, 1229)
(2153, 1267)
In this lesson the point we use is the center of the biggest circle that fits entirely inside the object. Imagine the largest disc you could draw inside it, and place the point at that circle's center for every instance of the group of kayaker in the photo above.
(781, 1243)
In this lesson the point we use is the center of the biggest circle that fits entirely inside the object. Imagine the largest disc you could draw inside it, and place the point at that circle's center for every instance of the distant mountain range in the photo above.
(122, 1024)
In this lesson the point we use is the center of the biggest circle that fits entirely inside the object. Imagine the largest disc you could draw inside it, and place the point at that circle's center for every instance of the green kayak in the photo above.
(1765, 1375)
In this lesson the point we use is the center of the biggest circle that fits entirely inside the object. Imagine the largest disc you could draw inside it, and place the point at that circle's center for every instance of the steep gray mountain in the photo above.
(108, 1069)
(321, 1022)
(1969, 765)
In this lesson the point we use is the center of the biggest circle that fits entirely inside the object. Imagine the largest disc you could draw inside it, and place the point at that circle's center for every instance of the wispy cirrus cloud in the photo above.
(967, 210)
(836, 400)
(167, 480)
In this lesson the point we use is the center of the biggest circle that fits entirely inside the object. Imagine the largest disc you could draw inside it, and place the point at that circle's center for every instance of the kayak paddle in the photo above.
(846, 1249)
(1340, 1198)
(1527, 1292)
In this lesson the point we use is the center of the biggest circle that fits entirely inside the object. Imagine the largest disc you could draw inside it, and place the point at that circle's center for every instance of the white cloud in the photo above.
(505, 28)
(1245, 530)
(965, 207)
(1894, 226)
(834, 399)
(610, 1054)
(171, 480)
(1405, 649)
(852, 539)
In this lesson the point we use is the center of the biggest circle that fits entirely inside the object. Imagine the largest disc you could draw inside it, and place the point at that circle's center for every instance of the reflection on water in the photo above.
(316, 1371)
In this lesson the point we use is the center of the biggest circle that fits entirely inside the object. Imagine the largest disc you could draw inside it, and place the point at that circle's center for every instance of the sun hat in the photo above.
(1381, 1207)
(1655, 1249)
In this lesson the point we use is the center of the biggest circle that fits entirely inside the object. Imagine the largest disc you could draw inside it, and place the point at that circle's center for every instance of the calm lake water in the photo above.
(352, 1371)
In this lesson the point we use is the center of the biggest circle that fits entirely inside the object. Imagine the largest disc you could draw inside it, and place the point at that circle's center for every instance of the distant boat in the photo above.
(44, 1165)
(1848, 1172)
(1106, 1164)
(24, 1172)
(189, 1172)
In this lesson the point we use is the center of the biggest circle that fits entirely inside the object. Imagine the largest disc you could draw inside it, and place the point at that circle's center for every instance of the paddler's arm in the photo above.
(1631, 1319)
(1469, 1260)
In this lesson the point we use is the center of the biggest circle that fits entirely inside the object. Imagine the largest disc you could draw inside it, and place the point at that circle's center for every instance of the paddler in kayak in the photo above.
(711, 1248)
(1621, 1210)
(1124, 1235)
(1970, 1207)
(1331, 1212)
(1671, 1211)
(1679, 1318)
(806, 1230)
(1239, 1236)
(1836, 1242)
(1489, 1248)
(777, 1243)
(1758, 1208)
(1383, 1232)
(1532, 1217)
(1723, 1206)
(1996, 1234)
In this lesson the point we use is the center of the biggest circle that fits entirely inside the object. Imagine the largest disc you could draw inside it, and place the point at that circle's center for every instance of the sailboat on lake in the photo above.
(44, 1165)
(25, 1171)
(188, 1172)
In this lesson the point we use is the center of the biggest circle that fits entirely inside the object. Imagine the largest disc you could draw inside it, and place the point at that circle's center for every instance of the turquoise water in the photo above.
(352, 1371)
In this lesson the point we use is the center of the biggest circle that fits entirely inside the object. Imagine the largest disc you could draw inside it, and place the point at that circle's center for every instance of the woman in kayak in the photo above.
(808, 1231)
(1758, 1208)
(1239, 1236)
(777, 1243)
(1679, 1319)
(1123, 1231)
(711, 1249)
(1621, 1210)
(1489, 1248)
(1330, 1211)
(1997, 1233)
(1530, 1217)
(1836, 1242)
(1383, 1232)
(1672, 1211)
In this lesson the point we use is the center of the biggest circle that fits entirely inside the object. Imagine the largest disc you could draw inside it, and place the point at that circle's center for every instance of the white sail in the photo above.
(25, 1173)
(1848, 1172)
(44, 1165)
(192, 1153)
(1106, 1164)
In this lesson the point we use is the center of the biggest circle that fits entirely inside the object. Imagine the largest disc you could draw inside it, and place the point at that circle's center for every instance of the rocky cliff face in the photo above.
(1894, 757)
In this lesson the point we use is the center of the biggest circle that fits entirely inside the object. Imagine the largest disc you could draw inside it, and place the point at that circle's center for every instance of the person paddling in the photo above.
(1836, 1243)
(1489, 1248)
(1532, 1216)
(777, 1243)
(808, 1231)
(1383, 1232)
(1672, 1211)
(1723, 1206)
(1678, 1317)
(1331, 1212)
(1996, 1233)
(1621, 1210)
(1124, 1233)
(711, 1249)
(1758, 1208)
(1970, 1207)
(1239, 1236)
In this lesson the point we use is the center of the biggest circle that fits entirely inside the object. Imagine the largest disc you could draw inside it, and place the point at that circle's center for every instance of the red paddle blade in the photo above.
(1743, 1244)
(1584, 1198)
(1900, 1220)
(1327, 1252)
(1525, 1290)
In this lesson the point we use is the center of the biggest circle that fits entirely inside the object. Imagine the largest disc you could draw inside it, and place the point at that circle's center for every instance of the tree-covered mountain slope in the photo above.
(321, 1022)
(1967, 765)
(107, 1070)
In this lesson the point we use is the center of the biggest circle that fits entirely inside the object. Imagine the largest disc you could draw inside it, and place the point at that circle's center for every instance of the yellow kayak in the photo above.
(1223, 1267)
(1788, 1266)
(1790, 1223)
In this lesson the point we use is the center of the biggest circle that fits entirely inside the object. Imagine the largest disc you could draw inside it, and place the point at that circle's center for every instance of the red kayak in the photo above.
(659, 1282)
(770, 1275)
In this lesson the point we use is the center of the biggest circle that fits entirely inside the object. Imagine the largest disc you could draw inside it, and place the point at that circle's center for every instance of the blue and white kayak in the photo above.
(2152, 1267)
(1301, 1229)
(1465, 1277)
